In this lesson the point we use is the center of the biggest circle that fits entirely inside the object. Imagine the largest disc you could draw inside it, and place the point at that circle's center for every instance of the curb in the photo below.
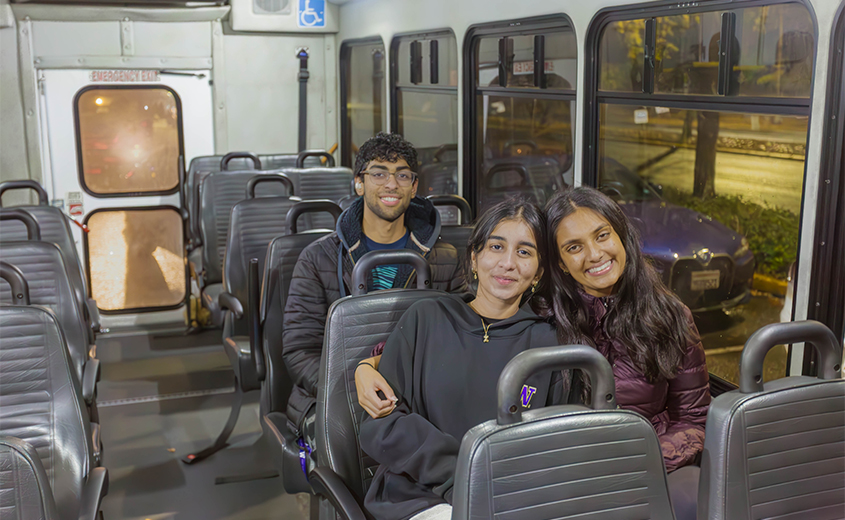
(769, 284)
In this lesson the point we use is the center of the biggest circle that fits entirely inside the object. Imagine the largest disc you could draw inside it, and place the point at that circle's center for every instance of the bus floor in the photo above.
(161, 398)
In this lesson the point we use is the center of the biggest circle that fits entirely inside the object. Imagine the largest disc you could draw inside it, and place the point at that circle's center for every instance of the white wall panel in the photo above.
(76, 39)
(172, 39)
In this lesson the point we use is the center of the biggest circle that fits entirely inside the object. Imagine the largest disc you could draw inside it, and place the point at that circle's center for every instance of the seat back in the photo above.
(562, 461)
(441, 178)
(41, 404)
(236, 161)
(255, 222)
(282, 254)
(44, 269)
(777, 449)
(455, 234)
(25, 492)
(219, 194)
(353, 327)
(54, 228)
(329, 183)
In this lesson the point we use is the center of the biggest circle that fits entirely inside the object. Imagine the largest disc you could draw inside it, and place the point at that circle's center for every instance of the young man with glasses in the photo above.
(387, 215)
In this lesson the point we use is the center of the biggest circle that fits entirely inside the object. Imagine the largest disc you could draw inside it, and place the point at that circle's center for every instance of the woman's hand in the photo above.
(368, 382)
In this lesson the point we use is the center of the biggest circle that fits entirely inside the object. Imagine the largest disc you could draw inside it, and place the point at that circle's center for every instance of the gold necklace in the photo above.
(486, 338)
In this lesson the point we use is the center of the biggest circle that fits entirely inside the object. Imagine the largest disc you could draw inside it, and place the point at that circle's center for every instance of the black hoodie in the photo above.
(445, 378)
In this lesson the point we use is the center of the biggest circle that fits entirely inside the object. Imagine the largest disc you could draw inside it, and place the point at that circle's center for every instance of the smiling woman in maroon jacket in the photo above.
(606, 294)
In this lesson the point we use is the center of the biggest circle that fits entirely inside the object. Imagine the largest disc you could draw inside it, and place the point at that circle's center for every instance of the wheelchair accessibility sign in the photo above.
(312, 13)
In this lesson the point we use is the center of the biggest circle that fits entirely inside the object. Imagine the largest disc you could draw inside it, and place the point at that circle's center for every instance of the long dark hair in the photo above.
(510, 209)
(645, 316)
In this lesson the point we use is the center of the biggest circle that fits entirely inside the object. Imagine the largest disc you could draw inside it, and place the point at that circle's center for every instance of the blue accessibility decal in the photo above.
(312, 13)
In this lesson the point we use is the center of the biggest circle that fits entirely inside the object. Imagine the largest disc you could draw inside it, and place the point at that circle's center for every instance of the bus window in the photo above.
(361, 94)
(425, 109)
(713, 182)
(128, 140)
(522, 133)
(135, 259)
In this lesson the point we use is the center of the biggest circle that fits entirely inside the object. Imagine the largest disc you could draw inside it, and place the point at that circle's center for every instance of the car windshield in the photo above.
(623, 185)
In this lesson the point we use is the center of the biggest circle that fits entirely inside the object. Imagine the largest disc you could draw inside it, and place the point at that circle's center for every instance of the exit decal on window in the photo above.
(124, 76)
(527, 67)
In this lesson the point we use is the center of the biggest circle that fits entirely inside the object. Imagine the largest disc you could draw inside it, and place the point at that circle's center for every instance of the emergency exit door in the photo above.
(115, 142)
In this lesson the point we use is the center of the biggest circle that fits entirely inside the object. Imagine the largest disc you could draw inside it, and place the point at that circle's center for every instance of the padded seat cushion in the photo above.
(562, 462)
(25, 492)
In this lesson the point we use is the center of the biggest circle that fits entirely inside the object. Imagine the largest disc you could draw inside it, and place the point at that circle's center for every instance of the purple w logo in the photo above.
(526, 395)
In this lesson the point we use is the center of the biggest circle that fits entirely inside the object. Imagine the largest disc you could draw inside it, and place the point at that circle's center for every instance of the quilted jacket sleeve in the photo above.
(687, 403)
(305, 321)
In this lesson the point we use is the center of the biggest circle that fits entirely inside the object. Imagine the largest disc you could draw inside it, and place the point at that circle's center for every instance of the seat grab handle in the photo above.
(389, 257)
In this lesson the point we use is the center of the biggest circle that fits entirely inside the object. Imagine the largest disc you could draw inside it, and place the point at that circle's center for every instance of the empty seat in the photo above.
(42, 406)
(24, 486)
(220, 193)
(282, 255)
(54, 227)
(43, 267)
(561, 461)
(255, 222)
(439, 176)
(777, 449)
(353, 327)
(457, 235)
(237, 161)
(333, 184)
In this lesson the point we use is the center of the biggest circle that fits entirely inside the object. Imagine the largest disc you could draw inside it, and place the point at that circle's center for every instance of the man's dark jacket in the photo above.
(323, 274)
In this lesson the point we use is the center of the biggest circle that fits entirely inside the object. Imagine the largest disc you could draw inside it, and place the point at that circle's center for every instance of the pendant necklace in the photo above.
(486, 327)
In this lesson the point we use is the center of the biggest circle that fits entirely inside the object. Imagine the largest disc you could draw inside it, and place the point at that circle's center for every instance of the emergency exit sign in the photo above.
(124, 76)
(527, 67)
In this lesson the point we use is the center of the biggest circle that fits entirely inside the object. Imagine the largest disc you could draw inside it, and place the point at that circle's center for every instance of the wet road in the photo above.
(723, 334)
(763, 180)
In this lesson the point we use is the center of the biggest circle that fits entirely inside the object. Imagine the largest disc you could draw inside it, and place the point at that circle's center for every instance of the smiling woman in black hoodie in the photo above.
(442, 363)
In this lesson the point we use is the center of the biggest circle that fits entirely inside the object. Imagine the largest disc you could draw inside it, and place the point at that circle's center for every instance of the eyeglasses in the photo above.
(403, 178)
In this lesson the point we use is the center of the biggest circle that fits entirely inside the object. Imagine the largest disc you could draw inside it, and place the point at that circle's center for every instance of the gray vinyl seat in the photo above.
(24, 487)
(43, 268)
(354, 325)
(255, 222)
(201, 166)
(282, 255)
(42, 406)
(332, 183)
(441, 178)
(54, 227)
(455, 233)
(220, 192)
(777, 449)
(565, 461)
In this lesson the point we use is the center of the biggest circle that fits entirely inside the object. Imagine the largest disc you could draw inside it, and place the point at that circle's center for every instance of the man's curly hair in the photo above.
(386, 147)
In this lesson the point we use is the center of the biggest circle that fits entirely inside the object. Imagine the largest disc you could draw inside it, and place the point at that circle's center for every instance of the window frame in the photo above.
(78, 137)
(134, 310)
(829, 299)
(558, 22)
(346, 47)
(593, 98)
(395, 88)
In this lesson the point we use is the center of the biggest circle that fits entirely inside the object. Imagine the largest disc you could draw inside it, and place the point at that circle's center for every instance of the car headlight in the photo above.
(743, 248)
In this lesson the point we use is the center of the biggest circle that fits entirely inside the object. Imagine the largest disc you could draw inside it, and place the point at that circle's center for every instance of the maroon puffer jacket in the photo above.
(677, 407)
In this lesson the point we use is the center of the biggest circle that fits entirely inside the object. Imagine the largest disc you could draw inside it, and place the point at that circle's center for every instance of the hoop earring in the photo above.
(565, 271)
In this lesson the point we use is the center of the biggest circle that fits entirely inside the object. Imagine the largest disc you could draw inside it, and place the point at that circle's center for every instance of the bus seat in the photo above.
(42, 265)
(282, 255)
(54, 228)
(220, 192)
(42, 406)
(24, 485)
(354, 325)
(441, 178)
(777, 449)
(235, 161)
(254, 223)
(561, 461)
(321, 183)
(455, 234)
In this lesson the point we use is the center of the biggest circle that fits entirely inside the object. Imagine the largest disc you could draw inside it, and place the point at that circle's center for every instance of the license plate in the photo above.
(704, 280)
